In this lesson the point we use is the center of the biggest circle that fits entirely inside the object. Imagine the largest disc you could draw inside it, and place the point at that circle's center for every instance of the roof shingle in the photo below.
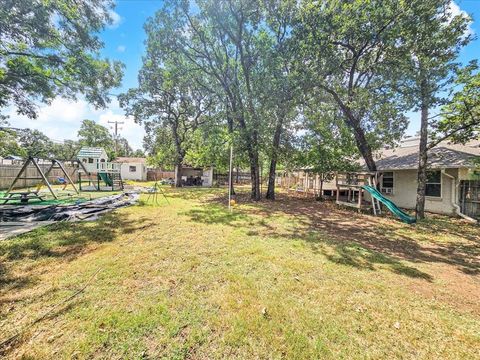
(444, 155)
(93, 152)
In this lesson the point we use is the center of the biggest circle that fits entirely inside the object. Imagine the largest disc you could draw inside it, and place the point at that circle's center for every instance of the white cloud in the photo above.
(116, 19)
(121, 48)
(62, 119)
(455, 10)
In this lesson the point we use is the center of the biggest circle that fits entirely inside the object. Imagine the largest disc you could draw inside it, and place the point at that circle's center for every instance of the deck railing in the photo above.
(101, 167)
(108, 167)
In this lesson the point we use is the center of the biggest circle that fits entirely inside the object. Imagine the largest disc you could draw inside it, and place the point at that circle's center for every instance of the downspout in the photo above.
(454, 196)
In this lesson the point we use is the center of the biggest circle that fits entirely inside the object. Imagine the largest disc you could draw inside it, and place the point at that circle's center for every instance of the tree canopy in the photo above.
(315, 84)
(51, 48)
(460, 117)
(347, 56)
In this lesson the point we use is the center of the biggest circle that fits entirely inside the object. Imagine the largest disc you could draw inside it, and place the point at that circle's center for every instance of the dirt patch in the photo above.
(440, 256)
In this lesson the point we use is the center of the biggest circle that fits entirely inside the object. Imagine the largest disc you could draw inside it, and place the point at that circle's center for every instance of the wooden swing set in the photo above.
(25, 196)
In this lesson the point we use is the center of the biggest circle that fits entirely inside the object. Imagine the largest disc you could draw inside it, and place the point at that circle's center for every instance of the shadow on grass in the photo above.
(193, 193)
(350, 253)
(362, 241)
(60, 240)
(215, 214)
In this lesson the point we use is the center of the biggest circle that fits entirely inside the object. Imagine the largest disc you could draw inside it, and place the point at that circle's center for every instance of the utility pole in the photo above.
(116, 133)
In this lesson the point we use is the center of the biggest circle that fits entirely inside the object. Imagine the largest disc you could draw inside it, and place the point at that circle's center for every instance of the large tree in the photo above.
(170, 105)
(347, 55)
(51, 48)
(432, 37)
(68, 150)
(460, 117)
(236, 53)
(93, 134)
(280, 95)
(9, 141)
(35, 143)
(326, 143)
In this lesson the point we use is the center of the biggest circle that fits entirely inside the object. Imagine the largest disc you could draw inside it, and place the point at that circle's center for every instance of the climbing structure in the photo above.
(350, 190)
(100, 180)
(96, 173)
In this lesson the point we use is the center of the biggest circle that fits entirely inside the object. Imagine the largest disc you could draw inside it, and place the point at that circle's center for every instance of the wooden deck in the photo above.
(364, 205)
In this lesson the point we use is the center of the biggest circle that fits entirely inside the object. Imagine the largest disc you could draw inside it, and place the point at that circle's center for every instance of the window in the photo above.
(132, 168)
(102, 160)
(84, 160)
(90, 160)
(434, 184)
(387, 180)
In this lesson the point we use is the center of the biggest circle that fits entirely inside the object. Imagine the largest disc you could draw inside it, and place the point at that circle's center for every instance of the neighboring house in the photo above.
(132, 168)
(453, 185)
(13, 157)
(11, 160)
(93, 158)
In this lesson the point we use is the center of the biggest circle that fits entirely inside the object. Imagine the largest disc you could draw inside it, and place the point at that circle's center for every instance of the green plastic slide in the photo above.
(106, 178)
(390, 205)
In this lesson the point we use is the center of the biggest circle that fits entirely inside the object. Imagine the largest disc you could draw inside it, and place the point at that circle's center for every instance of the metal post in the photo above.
(230, 180)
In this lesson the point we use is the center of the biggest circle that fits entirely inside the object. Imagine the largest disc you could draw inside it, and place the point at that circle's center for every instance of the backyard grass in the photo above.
(67, 196)
(294, 278)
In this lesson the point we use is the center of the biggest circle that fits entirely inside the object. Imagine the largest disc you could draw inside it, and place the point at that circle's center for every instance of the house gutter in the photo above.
(454, 196)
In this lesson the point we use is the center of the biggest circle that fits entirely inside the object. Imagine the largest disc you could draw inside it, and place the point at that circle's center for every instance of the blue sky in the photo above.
(124, 41)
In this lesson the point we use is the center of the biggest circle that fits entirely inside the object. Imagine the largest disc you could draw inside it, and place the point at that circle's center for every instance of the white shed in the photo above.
(196, 176)
(132, 168)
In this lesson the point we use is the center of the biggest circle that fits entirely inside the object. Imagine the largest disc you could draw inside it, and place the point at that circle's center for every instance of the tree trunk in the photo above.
(178, 175)
(255, 174)
(363, 146)
(358, 132)
(273, 162)
(422, 162)
(321, 187)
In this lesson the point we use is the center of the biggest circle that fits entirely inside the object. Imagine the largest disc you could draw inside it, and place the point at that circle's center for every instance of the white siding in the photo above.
(140, 172)
(405, 192)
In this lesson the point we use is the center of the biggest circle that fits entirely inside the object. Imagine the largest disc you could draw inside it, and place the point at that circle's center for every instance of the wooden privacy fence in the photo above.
(237, 178)
(158, 174)
(9, 172)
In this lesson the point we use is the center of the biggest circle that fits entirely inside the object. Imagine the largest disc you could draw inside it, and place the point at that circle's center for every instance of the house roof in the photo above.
(444, 155)
(13, 157)
(92, 152)
(137, 160)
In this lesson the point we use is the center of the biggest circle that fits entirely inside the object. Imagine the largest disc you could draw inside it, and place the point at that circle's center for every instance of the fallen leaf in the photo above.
(264, 312)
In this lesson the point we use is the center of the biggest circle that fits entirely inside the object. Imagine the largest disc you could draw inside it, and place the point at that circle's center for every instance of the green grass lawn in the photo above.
(295, 279)
(67, 196)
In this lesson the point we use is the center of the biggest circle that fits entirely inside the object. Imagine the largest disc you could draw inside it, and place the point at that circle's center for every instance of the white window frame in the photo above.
(393, 181)
(440, 183)
(130, 168)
